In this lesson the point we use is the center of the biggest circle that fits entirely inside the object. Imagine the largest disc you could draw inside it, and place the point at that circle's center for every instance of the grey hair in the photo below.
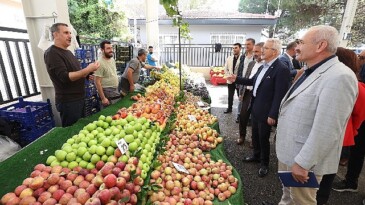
(326, 33)
(276, 44)
(55, 27)
(261, 44)
(142, 52)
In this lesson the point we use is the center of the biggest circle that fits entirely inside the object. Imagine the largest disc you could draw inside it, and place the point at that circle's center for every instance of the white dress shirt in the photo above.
(254, 71)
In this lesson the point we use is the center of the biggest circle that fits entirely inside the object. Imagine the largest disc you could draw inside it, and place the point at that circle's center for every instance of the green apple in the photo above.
(108, 119)
(116, 131)
(90, 166)
(78, 159)
(60, 155)
(83, 163)
(101, 117)
(147, 135)
(113, 123)
(71, 156)
(138, 127)
(104, 158)
(145, 152)
(146, 167)
(86, 156)
(92, 142)
(119, 127)
(67, 149)
(138, 141)
(64, 164)
(82, 144)
(70, 141)
(85, 132)
(100, 129)
(128, 129)
(129, 138)
(85, 139)
(123, 122)
(81, 151)
(143, 158)
(124, 158)
(50, 159)
(108, 132)
(90, 127)
(75, 146)
(135, 134)
(72, 165)
(55, 163)
(105, 143)
(133, 146)
(110, 151)
(100, 150)
(122, 134)
(140, 135)
(91, 135)
(132, 123)
(92, 149)
(143, 174)
(94, 158)
(105, 125)
(113, 142)
(130, 118)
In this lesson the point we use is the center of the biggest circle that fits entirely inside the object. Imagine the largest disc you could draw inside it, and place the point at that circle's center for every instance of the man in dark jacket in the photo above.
(270, 84)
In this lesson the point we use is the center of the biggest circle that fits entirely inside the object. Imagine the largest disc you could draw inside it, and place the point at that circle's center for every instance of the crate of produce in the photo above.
(27, 136)
(90, 88)
(28, 114)
(92, 105)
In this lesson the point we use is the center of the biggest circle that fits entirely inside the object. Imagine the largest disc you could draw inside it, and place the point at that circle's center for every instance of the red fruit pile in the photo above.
(106, 184)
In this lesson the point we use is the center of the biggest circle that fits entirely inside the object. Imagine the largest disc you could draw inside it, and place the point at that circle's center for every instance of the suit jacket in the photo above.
(228, 68)
(287, 61)
(270, 91)
(313, 118)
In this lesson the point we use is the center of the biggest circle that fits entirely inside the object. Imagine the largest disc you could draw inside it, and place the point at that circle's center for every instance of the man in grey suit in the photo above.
(314, 113)
(287, 58)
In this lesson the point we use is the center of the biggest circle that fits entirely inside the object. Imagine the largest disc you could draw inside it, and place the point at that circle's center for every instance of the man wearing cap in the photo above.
(131, 73)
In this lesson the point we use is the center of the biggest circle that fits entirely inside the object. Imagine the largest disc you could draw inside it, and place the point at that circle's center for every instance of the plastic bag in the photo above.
(7, 147)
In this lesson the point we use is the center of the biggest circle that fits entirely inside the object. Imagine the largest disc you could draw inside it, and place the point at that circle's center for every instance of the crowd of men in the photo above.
(315, 108)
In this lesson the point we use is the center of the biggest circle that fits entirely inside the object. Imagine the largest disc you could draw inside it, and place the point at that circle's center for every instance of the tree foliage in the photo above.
(296, 15)
(96, 19)
(172, 10)
(358, 27)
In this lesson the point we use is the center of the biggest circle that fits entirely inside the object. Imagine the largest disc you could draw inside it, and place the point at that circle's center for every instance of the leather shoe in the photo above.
(240, 141)
(267, 203)
(228, 111)
(251, 159)
(263, 171)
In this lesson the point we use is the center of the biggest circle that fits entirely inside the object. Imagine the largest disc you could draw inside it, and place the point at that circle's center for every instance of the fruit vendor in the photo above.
(131, 73)
(106, 79)
(151, 59)
(67, 76)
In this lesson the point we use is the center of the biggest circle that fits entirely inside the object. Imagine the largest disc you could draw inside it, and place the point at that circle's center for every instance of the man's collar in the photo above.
(270, 63)
(290, 57)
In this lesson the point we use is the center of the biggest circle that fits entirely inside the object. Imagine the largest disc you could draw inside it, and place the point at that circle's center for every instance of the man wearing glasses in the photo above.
(231, 68)
(270, 84)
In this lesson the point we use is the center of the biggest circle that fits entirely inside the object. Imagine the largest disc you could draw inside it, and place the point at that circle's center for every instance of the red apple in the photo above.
(130, 187)
(91, 189)
(56, 169)
(93, 201)
(78, 192)
(83, 197)
(26, 192)
(38, 192)
(99, 165)
(58, 194)
(53, 179)
(84, 184)
(35, 173)
(125, 175)
(78, 180)
(19, 189)
(71, 189)
(97, 181)
(89, 177)
(50, 201)
(44, 196)
(110, 180)
(133, 199)
(121, 165)
(27, 200)
(65, 198)
(71, 176)
(84, 172)
(121, 182)
(7, 197)
(105, 196)
(27, 181)
(133, 160)
(116, 171)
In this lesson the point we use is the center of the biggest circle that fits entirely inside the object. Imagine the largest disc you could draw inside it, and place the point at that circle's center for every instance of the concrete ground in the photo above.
(258, 189)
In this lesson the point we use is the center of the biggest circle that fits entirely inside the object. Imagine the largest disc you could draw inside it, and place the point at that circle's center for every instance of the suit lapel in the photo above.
(268, 72)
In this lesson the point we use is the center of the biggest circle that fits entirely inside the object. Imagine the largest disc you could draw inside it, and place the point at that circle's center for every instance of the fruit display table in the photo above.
(18, 167)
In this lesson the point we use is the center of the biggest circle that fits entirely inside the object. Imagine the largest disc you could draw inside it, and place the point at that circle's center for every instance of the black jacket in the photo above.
(270, 92)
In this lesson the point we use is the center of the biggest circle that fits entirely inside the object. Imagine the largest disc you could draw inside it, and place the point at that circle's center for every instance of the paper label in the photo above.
(122, 145)
(180, 168)
(192, 118)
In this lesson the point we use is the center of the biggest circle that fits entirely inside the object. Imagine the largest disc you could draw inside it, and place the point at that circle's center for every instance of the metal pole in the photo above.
(181, 85)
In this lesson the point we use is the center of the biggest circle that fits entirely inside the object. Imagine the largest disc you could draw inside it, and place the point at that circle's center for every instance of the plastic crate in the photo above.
(30, 115)
(92, 105)
(218, 80)
(90, 89)
(29, 135)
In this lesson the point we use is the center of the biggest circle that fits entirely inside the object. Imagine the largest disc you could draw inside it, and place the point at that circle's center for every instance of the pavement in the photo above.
(268, 188)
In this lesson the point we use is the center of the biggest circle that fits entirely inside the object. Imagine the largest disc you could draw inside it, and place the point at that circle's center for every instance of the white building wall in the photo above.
(201, 33)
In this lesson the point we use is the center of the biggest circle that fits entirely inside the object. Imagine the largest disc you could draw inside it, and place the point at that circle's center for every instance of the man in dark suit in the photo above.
(287, 58)
(246, 92)
(270, 84)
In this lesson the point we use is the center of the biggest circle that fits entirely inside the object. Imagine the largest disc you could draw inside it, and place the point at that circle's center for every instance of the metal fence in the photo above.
(17, 70)
(199, 55)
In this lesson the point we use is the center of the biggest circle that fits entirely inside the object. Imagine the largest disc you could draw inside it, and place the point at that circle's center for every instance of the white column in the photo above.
(152, 29)
(38, 13)
(347, 21)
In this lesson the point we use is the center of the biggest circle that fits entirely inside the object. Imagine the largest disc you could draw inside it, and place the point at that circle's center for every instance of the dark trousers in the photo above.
(70, 112)
(244, 115)
(354, 167)
(231, 89)
(260, 140)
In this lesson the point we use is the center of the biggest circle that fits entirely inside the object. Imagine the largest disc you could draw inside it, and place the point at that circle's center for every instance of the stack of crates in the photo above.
(92, 103)
(34, 119)
(85, 56)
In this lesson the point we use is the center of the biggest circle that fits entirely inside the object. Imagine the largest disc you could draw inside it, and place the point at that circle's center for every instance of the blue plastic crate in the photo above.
(28, 136)
(29, 115)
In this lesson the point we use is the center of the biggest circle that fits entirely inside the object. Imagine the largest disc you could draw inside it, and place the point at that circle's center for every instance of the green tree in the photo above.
(358, 26)
(296, 15)
(96, 19)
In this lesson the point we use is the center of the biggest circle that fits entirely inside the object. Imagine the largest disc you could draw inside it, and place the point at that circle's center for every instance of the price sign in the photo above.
(180, 168)
(122, 145)
(200, 104)
(192, 118)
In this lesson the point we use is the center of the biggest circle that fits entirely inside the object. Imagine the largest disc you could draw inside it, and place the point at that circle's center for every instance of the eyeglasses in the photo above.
(266, 48)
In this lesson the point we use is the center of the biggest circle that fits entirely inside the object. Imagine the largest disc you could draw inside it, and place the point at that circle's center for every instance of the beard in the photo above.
(108, 55)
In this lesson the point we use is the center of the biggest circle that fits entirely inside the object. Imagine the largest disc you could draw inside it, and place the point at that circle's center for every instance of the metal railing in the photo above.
(17, 70)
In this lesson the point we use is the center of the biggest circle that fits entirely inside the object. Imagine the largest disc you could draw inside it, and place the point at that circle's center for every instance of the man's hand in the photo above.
(105, 102)
(271, 121)
(91, 77)
(93, 67)
(157, 68)
(232, 78)
(299, 174)
(131, 88)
